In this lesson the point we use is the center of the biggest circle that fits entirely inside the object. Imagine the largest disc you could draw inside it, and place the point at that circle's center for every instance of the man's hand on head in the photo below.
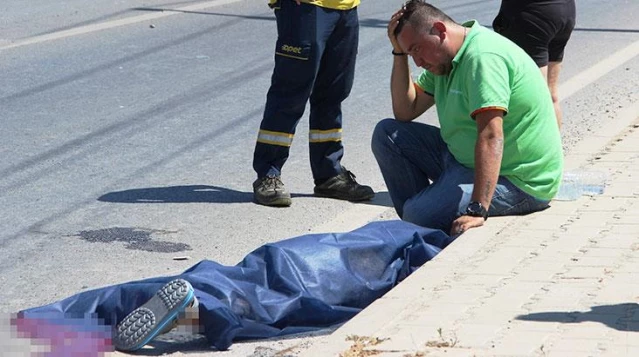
(392, 25)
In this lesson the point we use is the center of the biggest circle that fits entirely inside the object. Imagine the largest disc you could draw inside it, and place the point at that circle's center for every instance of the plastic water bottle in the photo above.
(579, 182)
(593, 182)
(570, 188)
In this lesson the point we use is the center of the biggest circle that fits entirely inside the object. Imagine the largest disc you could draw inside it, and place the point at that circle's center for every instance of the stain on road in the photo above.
(136, 238)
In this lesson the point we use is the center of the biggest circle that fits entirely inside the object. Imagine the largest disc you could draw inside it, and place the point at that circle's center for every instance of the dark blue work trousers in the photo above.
(314, 59)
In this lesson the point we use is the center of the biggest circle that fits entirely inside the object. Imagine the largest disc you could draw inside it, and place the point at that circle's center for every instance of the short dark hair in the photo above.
(421, 15)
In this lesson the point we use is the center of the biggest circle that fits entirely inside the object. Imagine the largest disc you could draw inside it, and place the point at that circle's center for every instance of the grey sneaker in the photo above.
(344, 187)
(270, 191)
(155, 317)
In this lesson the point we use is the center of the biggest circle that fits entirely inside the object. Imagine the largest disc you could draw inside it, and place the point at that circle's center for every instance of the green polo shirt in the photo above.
(491, 72)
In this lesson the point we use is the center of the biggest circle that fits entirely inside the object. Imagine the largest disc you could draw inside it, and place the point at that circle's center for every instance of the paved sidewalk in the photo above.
(562, 282)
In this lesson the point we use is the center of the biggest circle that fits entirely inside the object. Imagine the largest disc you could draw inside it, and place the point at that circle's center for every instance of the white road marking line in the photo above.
(581, 80)
(111, 24)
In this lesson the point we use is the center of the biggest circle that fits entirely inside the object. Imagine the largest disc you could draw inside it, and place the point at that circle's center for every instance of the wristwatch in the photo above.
(476, 209)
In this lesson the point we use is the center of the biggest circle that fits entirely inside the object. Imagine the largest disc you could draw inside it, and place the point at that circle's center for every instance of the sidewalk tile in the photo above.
(514, 298)
(604, 252)
(620, 237)
(531, 240)
(621, 350)
(591, 261)
(489, 317)
(503, 260)
(582, 272)
(580, 346)
(458, 295)
(625, 339)
(528, 343)
(536, 275)
(546, 222)
(479, 279)
(625, 189)
(477, 335)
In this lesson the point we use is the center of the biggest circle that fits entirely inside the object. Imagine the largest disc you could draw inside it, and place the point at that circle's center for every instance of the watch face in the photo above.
(475, 209)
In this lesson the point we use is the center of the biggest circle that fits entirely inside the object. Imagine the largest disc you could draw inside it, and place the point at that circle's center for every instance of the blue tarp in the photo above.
(295, 285)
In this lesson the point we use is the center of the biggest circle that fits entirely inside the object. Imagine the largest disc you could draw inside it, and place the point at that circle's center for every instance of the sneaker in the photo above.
(156, 316)
(270, 191)
(344, 187)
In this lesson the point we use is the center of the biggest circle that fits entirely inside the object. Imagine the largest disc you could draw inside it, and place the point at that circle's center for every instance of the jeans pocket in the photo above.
(524, 206)
(509, 200)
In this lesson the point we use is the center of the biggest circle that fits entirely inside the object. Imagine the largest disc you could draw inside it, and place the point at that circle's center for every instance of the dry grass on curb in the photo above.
(360, 345)
(443, 342)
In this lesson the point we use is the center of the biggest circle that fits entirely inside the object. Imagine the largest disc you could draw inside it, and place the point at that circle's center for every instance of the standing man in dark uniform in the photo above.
(314, 59)
(542, 28)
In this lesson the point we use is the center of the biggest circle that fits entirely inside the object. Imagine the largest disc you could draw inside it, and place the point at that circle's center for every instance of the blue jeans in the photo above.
(427, 185)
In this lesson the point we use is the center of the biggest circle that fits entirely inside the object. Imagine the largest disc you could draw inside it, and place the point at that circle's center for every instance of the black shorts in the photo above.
(541, 27)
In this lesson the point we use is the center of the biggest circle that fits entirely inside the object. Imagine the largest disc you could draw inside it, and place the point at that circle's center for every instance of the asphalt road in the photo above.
(128, 127)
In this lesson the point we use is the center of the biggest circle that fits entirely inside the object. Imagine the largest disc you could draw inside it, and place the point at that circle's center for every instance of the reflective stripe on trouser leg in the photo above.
(271, 152)
(275, 138)
(322, 136)
(326, 153)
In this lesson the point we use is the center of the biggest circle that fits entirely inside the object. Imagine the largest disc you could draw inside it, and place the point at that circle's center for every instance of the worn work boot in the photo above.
(344, 187)
(270, 191)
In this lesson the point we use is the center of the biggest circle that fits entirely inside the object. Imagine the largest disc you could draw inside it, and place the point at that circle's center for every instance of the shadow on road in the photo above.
(381, 199)
(178, 194)
(622, 317)
(204, 194)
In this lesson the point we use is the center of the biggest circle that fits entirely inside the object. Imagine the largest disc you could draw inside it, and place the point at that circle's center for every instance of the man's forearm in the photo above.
(402, 89)
(488, 155)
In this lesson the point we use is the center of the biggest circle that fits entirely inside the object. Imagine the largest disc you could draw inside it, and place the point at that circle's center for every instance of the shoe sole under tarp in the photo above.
(147, 321)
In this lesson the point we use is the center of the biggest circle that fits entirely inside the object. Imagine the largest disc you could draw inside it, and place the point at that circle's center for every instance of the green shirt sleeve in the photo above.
(489, 84)
(426, 82)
